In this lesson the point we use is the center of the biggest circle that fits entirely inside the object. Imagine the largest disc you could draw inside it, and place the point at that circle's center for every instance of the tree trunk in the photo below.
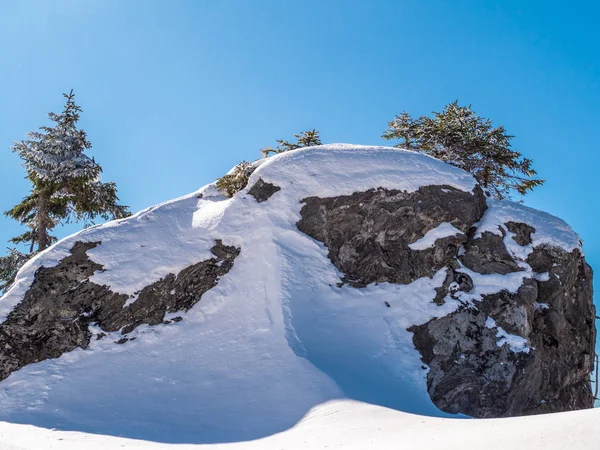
(486, 177)
(43, 221)
(32, 246)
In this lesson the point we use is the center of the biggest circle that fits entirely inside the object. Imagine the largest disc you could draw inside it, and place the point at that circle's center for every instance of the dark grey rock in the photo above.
(543, 258)
(513, 312)
(262, 191)
(470, 374)
(454, 282)
(54, 315)
(522, 232)
(368, 233)
(487, 254)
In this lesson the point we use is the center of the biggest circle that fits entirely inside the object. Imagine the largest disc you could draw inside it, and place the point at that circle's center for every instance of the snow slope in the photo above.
(274, 340)
(357, 426)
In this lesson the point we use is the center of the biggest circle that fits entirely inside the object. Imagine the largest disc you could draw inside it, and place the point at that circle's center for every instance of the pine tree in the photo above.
(308, 138)
(303, 139)
(65, 181)
(460, 137)
(9, 266)
(236, 180)
(403, 127)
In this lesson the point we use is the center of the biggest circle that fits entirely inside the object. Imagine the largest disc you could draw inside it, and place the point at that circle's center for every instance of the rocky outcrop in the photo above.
(522, 232)
(505, 354)
(368, 233)
(262, 191)
(519, 340)
(62, 302)
(473, 372)
(487, 254)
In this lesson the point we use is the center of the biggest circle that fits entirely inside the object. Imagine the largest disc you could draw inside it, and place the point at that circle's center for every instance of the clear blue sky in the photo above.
(176, 92)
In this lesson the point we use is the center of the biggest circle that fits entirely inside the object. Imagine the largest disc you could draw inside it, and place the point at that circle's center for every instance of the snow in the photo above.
(549, 230)
(517, 344)
(443, 230)
(542, 276)
(486, 284)
(356, 426)
(276, 355)
(342, 169)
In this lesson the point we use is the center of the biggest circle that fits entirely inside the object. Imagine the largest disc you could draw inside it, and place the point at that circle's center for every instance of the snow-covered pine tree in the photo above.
(65, 181)
(303, 139)
(406, 128)
(460, 137)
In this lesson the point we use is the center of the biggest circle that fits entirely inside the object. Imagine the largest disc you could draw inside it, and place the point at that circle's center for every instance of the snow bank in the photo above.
(342, 169)
(357, 426)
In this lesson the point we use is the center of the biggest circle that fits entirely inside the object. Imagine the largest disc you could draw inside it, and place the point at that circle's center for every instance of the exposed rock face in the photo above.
(368, 233)
(53, 317)
(470, 374)
(474, 367)
(263, 191)
(488, 254)
(522, 232)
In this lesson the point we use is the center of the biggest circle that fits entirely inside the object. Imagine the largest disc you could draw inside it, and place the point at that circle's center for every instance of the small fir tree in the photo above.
(460, 137)
(303, 139)
(65, 181)
(236, 180)
(9, 266)
(308, 138)
(403, 127)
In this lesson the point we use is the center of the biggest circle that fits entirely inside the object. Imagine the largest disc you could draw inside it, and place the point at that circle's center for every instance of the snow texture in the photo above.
(275, 340)
(443, 230)
(549, 229)
(357, 426)
(516, 343)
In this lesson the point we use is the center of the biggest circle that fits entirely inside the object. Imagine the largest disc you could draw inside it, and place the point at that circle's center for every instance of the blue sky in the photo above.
(176, 92)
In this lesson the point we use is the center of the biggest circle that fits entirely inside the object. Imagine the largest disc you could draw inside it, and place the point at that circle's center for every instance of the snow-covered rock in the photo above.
(212, 319)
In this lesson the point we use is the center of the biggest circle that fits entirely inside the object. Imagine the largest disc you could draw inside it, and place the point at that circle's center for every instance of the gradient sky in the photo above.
(176, 92)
